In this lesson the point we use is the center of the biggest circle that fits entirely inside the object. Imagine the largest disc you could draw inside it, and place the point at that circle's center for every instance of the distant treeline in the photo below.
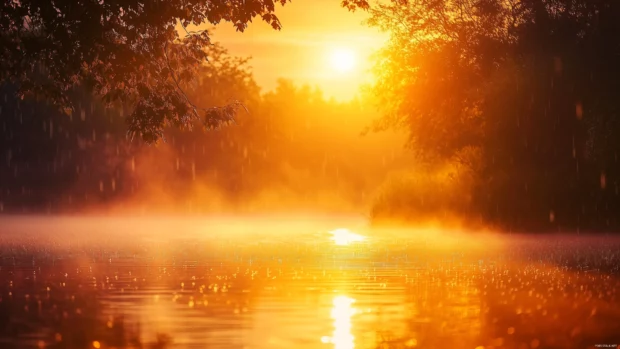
(292, 148)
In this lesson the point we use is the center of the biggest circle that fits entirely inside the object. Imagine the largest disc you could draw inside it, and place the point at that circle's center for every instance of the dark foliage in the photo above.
(124, 51)
(532, 85)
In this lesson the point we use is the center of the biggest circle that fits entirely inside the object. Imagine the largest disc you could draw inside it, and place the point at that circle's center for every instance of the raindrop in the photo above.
(577, 166)
(603, 180)
(551, 216)
(579, 110)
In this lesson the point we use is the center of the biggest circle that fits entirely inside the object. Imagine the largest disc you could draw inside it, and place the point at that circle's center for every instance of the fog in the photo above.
(117, 231)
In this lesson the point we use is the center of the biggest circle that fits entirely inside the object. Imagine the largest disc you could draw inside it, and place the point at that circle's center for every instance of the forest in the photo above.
(289, 149)
(520, 96)
(507, 108)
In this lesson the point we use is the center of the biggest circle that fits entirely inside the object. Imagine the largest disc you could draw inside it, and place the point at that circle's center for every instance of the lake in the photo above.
(299, 282)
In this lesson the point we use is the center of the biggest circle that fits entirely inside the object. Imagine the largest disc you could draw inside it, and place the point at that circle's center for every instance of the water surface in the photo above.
(264, 282)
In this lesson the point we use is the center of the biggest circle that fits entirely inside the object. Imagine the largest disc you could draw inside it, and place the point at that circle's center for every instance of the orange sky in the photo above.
(301, 50)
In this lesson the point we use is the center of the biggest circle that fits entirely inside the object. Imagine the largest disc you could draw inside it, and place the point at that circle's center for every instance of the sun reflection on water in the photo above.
(342, 338)
(343, 237)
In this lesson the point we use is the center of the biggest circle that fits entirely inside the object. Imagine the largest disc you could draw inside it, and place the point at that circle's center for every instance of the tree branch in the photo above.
(176, 82)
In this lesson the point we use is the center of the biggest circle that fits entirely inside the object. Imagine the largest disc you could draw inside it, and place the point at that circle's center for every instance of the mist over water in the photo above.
(283, 281)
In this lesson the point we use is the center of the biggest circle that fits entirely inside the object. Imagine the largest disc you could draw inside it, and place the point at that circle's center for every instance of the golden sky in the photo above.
(302, 51)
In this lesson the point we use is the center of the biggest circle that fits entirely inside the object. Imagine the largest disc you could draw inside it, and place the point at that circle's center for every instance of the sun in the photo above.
(344, 237)
(343, 60)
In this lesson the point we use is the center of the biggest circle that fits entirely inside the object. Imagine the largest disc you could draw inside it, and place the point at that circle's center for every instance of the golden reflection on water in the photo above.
(342, 312)
(310, 292)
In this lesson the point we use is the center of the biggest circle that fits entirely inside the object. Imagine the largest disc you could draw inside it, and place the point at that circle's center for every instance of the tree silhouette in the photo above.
(126, 50)
(531, 85)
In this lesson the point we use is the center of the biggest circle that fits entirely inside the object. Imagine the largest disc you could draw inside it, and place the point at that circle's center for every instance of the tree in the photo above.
(122, 50)
(86, 158)
(532, 85)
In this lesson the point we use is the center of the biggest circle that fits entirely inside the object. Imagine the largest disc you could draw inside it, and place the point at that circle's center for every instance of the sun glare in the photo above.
(345, 237)
(343, 60)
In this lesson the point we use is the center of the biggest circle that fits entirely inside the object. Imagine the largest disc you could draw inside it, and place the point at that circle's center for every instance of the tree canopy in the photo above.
(122, 50)
(523, 92)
